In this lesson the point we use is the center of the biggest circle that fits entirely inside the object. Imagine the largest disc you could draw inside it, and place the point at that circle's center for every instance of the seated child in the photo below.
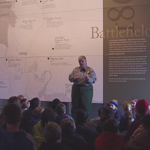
(48, 115)
(61, 113)
(52, 134)
(105, 114)
(12, 138)
(127, 117)
(140, 140)
(114, 105)
(109, 139)
(69, 136)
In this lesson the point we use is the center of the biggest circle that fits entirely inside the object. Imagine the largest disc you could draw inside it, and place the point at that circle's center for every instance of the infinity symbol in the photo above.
(120, 13)
(122, 1)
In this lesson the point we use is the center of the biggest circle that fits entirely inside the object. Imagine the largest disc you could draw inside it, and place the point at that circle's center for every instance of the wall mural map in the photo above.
(40, 41)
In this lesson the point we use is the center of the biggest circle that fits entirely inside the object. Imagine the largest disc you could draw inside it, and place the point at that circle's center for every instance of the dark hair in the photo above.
(52, 132)
(146, 121)
(107, 110)
(81, 116)
(11, 113)
(34, 103)
(55, 102)
(48, 115)
(60, 108)
(111, 125)
(22, 100)
(14, 100)
(67, 124)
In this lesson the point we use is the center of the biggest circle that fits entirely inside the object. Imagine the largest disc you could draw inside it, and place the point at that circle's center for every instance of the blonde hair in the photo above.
(20, 97)
(126, 107)
(68, 124)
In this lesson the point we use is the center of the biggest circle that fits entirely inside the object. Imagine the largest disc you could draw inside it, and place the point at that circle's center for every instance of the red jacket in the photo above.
(134, 125)
(109, 141)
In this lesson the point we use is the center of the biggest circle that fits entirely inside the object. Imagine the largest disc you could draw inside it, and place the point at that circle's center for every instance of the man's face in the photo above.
(133, 104)
(82, 63)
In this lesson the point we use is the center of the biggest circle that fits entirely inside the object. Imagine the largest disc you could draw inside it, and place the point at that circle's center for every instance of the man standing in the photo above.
(82, 89)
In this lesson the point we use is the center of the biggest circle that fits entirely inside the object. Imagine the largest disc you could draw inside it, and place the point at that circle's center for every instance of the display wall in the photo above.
(40, 41)
(126, 50)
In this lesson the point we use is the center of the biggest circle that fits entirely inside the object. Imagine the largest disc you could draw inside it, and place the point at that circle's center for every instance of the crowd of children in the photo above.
(25, 125)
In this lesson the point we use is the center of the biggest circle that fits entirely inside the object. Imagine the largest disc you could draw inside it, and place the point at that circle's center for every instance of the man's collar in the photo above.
(83, 69)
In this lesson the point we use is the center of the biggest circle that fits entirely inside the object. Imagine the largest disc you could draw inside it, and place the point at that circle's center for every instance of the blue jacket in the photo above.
(17, 140)
(59, 118)
(117, 115)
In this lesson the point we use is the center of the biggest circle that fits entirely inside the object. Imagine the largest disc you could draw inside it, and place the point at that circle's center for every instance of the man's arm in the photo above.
(73, 76)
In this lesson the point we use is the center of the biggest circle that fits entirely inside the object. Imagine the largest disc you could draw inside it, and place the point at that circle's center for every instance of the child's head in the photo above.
(14, 100)
(20, 97)
(111, 125)
(23, 100)
(133, 103)
(81, 116)
(11, 113)
(37, 112)
(126, 106)
(48, 115)
(61, 109)
(113, 104)
(52, 133)
(105, 113)
(25, 104)
(55, 102)
(68, 124)
(141, 107)
(34, 103)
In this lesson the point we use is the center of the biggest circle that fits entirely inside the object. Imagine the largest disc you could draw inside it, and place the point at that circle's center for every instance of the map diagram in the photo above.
(40, 41)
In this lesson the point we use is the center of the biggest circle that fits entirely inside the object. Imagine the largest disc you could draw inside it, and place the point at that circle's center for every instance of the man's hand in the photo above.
(87, 77)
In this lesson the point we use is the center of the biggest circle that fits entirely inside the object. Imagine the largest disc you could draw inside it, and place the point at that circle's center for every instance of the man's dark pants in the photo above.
(81, 98)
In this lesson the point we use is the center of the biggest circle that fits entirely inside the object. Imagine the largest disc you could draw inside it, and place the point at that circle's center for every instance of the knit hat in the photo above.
(142, 106)
(115, 102)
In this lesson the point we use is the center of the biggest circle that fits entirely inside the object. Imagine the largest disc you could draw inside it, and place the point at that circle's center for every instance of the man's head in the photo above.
(52, 133)
(106, 113)
(60, 109)
(12, 113)
(82, 61)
